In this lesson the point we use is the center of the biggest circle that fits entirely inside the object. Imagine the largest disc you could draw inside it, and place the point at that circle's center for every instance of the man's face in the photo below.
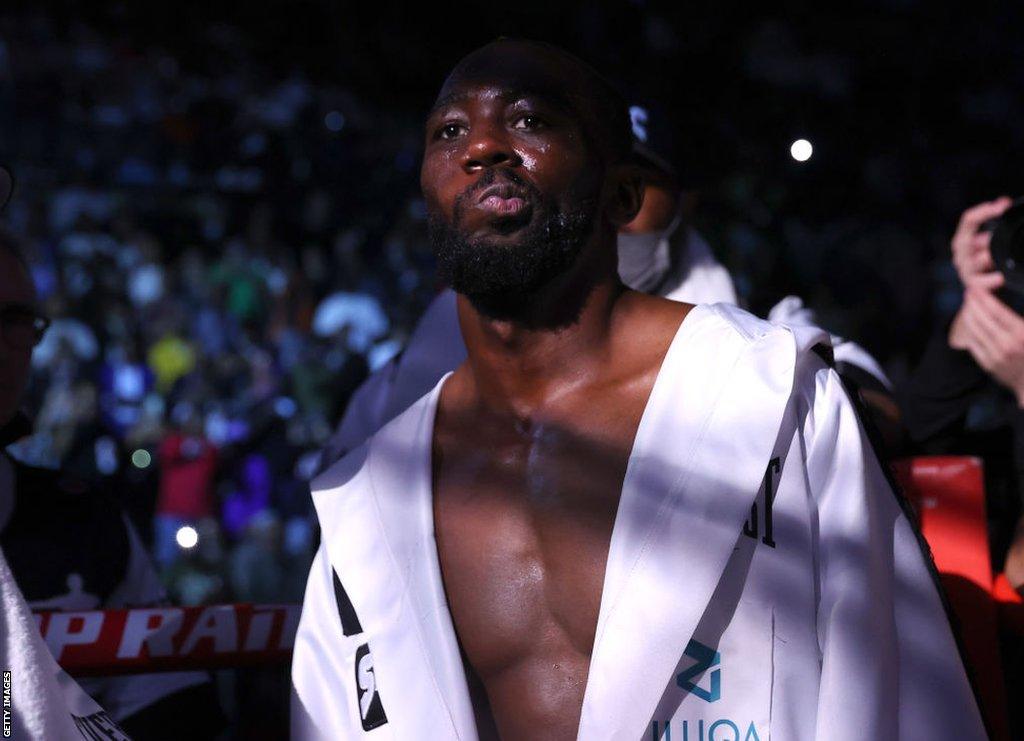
(512, 181)
(17, 296)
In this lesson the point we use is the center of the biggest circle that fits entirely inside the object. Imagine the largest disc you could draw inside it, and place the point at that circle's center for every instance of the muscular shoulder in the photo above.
(654, 312)
(742, 323)
(664, 316)
(645, 325)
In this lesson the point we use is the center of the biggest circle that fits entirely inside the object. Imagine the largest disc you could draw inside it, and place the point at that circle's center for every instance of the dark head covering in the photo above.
(6, 186)
(655, 141)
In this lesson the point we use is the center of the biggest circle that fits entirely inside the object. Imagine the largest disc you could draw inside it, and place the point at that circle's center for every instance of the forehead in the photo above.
(513, 70)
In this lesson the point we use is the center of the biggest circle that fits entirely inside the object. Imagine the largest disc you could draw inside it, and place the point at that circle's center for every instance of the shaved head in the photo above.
(544, 69)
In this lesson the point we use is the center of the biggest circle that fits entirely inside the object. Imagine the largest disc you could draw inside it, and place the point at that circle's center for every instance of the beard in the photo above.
(500, 279)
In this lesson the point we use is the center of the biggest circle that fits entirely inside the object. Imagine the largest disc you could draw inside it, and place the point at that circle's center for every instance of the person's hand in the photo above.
(971, 255)
(1013, 566)
(994, 335)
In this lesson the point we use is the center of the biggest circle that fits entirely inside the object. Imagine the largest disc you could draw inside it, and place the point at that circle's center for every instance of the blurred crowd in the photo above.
(229, 237)
(217, 291)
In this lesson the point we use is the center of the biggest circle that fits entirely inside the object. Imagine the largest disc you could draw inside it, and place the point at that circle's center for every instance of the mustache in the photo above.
(489, 178)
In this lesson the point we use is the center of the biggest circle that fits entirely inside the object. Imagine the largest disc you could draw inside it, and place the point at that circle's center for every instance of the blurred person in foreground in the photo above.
(45, 703)
(70, 547)
(622, 517)
(659, 253)
(967, 394)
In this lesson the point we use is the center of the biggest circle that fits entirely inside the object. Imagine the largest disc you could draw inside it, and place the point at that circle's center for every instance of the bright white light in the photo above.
(187, 537)
(801, 150)
(141, 458)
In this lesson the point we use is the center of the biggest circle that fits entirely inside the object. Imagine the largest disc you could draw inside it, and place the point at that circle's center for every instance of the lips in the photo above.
(503, 200)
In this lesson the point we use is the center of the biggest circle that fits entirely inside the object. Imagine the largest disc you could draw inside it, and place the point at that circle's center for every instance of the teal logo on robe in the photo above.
(700, 729)
(705, 658)
(716, 731)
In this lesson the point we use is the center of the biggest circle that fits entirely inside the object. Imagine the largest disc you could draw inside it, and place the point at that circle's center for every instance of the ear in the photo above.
(626, 196)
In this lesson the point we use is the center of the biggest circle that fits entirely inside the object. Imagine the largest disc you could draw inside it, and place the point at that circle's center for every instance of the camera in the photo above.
(1007, 245)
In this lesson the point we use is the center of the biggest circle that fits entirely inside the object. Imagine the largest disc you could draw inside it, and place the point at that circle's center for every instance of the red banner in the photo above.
(104, 642)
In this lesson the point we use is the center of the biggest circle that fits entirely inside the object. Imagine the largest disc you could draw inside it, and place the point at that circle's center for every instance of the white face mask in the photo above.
(644, 259)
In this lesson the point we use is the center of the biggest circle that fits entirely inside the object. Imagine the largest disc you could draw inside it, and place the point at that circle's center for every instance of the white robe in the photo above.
(696, 277)
(815, 618)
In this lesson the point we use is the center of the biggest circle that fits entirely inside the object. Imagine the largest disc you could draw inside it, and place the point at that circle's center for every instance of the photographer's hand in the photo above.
(971, 255)
(994, 335)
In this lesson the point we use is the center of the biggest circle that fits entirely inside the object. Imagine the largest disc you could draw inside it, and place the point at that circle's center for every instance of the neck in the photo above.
(518, 365)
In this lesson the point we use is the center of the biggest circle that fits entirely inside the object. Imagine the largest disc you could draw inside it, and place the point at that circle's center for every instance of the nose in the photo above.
(488, 146)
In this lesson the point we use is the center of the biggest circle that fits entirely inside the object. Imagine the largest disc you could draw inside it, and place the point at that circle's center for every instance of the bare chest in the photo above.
(523, 521)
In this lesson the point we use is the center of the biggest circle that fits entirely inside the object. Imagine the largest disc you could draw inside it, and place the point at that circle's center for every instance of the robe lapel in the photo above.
(378, 529)
(697, 465)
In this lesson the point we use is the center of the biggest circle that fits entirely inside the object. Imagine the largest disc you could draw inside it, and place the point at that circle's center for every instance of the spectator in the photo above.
(70, 548)
(967, 394)
(188, 463)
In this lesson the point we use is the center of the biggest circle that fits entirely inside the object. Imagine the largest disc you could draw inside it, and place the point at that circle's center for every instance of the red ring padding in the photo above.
(948, 494)
(152, 639)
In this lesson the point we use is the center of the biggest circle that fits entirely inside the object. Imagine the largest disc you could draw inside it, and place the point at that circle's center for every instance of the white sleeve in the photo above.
(324, 694)
(890, 665)
(123, 696)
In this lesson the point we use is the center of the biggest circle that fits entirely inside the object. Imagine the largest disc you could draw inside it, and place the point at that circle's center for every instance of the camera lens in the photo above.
(1007, 245)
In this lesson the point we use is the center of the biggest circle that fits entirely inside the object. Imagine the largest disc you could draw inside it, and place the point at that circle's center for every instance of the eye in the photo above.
(528, 122)
(450, 131)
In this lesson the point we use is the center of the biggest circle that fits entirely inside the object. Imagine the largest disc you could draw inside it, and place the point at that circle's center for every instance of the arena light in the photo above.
(187, 537)
(801, 150)
(285, 407)
(141, 458)
(334, 121)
